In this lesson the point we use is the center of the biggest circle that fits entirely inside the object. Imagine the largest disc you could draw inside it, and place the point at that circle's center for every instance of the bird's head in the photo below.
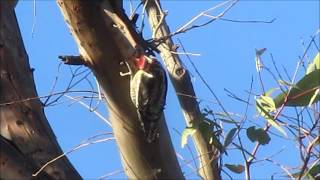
(143, 62)
(140, 62)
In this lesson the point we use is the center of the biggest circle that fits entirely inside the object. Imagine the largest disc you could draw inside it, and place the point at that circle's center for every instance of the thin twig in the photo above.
(143, 15)
(248, 21)
(282, 106)
(45, 96)
(111, 174)
(187, 27)
(82, 145)
(88, 107)
(34, 18)
(206, 84)
(307, 158)
(282, 167)
(54, 85)
(185, 53)
(186, 162)
(195, 97)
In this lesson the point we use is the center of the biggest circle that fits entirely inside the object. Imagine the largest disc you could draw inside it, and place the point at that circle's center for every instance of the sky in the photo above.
(227, 61)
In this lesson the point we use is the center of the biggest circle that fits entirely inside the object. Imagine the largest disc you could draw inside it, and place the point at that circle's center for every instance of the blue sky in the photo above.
(227, 61)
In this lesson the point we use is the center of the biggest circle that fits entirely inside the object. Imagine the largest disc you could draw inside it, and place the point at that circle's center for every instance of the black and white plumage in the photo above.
(148, 90)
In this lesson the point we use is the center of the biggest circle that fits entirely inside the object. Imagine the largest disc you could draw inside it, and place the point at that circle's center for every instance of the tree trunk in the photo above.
(27, 141)
(105, 38)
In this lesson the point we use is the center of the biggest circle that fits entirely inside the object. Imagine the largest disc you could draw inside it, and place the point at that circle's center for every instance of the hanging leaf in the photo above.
(266, 105)
(185, 134)
(314, 65)
(303, 93)
(274, 124)
(259, 52)
(259, 135)
(229, 137)
(235, 168)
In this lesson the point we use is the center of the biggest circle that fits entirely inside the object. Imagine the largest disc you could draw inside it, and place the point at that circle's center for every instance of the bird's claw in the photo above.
(125, 73)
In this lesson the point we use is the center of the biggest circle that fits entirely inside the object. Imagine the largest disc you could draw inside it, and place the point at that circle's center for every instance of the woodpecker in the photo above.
(148, 90)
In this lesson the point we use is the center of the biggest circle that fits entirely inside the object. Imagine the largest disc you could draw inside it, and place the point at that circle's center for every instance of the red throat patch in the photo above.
(140, 62)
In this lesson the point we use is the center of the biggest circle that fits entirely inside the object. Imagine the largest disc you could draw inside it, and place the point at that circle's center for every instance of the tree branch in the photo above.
(181, 81)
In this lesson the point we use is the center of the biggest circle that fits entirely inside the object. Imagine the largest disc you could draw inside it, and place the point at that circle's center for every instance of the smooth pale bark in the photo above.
(104, 39)
(181, 81)
(30, 140)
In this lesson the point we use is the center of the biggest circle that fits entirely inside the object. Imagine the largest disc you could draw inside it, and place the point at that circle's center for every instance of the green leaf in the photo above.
(296, 174)
(270, 91)
(314, 65)
(235, 168)
(185, 134)
(309, 177)
(264, 112)
(259, 135)
(206, 128)
(285, 83)
(216, 143)
(313, 98)
(267, 103)
(303, 93)
(314, 170)
(229, 137)
(317, 61)
(273, 123)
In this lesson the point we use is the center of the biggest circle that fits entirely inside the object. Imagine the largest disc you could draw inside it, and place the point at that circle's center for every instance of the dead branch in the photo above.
(181, 81)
